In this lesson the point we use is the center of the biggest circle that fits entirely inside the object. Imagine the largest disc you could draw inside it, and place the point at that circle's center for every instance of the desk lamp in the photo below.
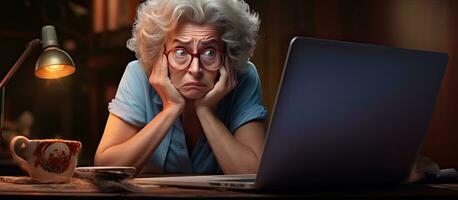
(53, 63)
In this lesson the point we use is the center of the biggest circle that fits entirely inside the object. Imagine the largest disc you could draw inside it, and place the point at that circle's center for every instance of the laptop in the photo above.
(346, 114)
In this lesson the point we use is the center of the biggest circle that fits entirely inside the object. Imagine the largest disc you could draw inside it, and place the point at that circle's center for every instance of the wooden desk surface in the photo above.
(81, 189)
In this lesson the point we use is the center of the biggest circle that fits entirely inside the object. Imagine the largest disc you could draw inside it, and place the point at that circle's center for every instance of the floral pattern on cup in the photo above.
(55, 157)
(46, 160)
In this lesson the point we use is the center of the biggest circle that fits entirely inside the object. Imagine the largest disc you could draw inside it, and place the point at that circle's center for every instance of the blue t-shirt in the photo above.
(137, 103)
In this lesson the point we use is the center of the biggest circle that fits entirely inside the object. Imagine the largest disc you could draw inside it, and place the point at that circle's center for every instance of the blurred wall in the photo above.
(76, 107)
(415, 24)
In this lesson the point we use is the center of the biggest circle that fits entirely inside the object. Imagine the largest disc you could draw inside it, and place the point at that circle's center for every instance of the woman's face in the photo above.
(194, 81)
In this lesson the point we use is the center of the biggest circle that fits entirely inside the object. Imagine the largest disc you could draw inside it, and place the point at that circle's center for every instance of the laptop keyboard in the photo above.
(245, 180)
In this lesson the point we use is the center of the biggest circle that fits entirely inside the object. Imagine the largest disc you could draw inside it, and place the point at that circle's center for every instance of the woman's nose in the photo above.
(195, 68)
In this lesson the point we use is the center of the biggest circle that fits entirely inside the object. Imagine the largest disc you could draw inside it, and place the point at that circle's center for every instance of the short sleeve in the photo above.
(246, 100)
(129, 103)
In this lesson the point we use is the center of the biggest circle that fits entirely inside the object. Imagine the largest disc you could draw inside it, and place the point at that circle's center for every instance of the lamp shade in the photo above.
(54, 63)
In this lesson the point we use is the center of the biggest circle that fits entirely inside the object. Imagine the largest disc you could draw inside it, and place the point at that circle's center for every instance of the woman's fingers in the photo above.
(235, 78)
(232, 77)
(159, 72)
(164, 70)
(223, 73)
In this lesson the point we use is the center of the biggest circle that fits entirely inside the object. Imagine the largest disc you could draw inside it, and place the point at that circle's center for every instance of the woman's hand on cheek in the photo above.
(226, 82)
(161, 82)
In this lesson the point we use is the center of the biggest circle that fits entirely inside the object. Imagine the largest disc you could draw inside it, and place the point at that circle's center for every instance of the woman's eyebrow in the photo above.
(210, 41)
(202, 43)
(176, 40)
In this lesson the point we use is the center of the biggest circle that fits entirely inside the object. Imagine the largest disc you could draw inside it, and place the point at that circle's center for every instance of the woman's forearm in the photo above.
(136, 150)
(233, 157)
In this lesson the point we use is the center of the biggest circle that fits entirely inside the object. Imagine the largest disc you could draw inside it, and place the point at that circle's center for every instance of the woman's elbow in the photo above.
(102, 158)
(98, 159)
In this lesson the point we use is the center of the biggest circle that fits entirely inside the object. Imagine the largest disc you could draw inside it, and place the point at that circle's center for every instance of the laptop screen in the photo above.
(349, 113)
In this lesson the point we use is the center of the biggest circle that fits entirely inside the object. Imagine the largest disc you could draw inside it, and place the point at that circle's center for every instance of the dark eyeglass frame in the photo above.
(194, 55)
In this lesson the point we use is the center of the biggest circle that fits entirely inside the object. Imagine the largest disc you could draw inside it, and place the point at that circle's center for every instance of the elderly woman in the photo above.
(192, 102)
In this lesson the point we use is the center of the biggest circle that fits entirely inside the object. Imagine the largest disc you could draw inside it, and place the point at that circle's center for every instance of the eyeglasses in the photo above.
(180, 58)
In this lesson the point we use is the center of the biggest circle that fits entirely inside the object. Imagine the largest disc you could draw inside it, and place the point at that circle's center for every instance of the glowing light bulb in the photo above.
(54, 68)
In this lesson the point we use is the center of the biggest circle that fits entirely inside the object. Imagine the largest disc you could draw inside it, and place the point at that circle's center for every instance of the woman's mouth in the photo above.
(194, 84)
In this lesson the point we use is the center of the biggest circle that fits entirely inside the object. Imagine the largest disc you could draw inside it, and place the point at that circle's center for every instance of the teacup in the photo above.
(46, 160)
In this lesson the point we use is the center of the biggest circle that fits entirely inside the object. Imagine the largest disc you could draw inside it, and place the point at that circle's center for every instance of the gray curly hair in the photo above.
(238, 27)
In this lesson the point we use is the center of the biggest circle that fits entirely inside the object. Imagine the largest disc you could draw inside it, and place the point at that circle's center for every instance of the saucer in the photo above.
(116, 171)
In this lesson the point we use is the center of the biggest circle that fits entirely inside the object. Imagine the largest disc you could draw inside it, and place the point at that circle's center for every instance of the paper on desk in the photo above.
(26, 184)
(448, 186)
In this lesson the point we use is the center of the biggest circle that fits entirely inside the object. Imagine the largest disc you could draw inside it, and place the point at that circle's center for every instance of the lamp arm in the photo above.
(19, 61)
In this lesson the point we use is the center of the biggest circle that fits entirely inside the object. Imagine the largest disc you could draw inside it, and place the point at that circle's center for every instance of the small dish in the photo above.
(106, 171)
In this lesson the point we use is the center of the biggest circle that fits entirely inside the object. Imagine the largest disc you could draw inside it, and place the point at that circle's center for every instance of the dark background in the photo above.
(76, 107)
